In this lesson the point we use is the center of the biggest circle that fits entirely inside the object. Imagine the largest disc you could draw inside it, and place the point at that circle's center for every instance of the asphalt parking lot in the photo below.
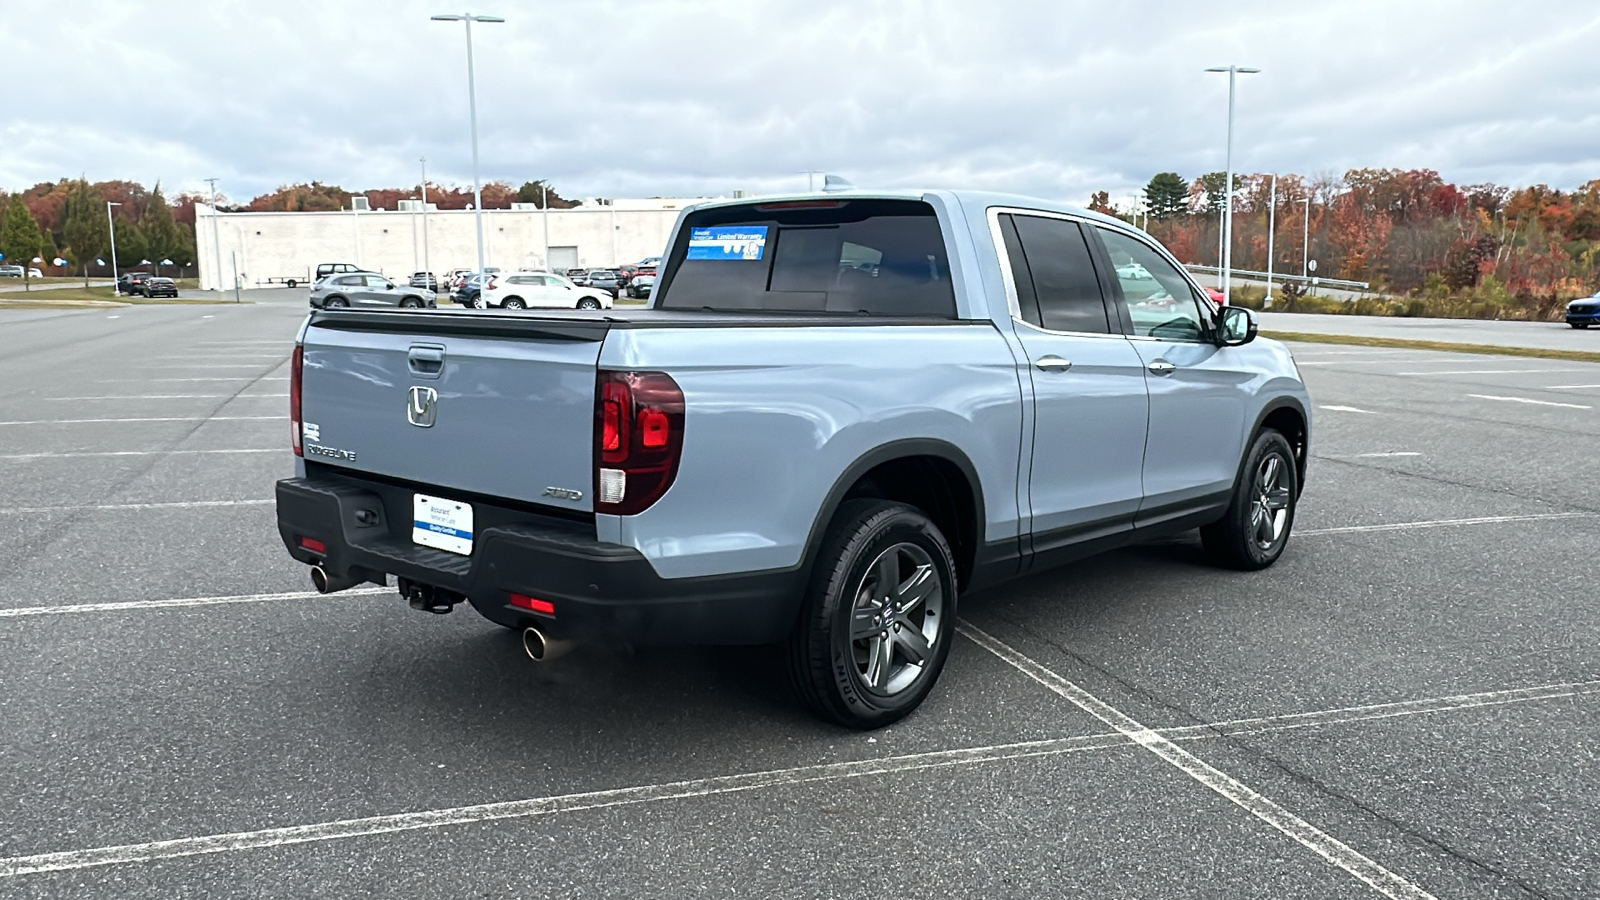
(1405, 706)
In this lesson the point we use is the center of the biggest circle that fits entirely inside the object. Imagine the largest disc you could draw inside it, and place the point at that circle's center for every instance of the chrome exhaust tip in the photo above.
(327, 583)
(541, 648)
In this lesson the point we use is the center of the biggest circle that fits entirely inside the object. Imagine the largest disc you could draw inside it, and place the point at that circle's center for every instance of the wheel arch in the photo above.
(1287, 416)
(922, 472)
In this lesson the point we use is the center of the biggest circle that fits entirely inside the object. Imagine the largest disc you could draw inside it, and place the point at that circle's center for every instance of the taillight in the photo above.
(295, 363)
(490, 285)
(638, 439)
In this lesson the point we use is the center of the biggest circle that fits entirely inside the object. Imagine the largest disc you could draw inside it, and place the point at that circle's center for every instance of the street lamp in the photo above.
(472, 112)
(115, 290)
(216, 236)
(1227, 214)
(1305, 240)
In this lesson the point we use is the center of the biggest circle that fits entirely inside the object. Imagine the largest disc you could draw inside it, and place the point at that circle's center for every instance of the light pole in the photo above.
(1272, 227)
(1227, 211)
(472, 113)
(810, 179)
(1305, 240)
(425, 217)
(216, 236)
(115, 291)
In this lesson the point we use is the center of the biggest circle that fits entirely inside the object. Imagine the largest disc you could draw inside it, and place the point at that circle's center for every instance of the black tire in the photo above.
(291, 283)
(588, 303)
(411, 303)
(1578, 324)
(335, 303)
(843, 624)
(514, 303)
(1255, 530)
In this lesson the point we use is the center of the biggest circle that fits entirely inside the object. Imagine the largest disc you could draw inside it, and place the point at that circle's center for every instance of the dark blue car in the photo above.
(1583, 312)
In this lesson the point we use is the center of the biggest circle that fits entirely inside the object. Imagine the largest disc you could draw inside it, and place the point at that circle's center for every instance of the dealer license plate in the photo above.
(442, 524)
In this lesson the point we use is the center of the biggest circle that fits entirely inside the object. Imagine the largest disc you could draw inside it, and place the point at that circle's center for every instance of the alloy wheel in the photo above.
(1269, 509)
(895, 620)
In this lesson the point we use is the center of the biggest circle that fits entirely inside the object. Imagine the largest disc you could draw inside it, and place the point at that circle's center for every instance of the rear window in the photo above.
(879, 257)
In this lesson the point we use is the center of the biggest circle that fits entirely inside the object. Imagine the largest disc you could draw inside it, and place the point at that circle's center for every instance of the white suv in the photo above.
(524, 290)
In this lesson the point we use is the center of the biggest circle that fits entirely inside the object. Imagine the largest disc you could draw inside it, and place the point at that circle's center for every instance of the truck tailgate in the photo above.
(501, 406)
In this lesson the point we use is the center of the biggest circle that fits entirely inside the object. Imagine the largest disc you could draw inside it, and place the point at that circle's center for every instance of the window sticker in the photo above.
(728, 242)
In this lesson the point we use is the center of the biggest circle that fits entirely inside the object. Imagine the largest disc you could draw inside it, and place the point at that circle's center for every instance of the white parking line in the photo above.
(223, 378)
(147, 419)
(73, 454)
(704, 787)
(1312, 838)
(18, 612)
(1526, 400)
(1346, 409)
(1496, 372)
(1447, 523)
(1386, 454)
(219, 365)
(1570, 387)
(155, 397)
(190, 504)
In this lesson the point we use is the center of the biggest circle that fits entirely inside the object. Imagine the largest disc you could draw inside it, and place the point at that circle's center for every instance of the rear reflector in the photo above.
(533, 604)
(314, 545)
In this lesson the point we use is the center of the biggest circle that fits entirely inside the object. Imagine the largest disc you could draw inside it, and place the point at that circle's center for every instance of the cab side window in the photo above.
(1159, 299)
(1055, 277)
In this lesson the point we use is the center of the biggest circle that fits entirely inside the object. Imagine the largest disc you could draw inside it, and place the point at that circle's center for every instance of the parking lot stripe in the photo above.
(1375, 711)
(1495, 372)
(1570, 387)
(73, 454)
(1446, 523)
(542, 806)
(1387, 453)
(18, 612)
(1346, 409)
(192, 504)
(1312, 838)
(1527, 400)
(146, 419)
(220, 378)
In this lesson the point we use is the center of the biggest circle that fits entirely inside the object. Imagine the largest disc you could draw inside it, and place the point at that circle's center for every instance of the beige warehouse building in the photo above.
(269, 247)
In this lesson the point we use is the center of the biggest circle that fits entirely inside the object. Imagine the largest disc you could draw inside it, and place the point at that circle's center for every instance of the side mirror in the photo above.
(1236, 325)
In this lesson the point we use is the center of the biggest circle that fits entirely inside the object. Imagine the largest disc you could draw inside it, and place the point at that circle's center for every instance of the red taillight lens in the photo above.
(314, 545)
(638, 439)
(295, 364)
(533, 604)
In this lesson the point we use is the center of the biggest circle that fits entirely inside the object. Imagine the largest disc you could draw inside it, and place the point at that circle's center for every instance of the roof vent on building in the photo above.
(359, 203)
(525, 206)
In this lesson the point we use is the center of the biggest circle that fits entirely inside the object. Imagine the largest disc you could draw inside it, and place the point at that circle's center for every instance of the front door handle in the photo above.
(1161, 367)
(1052, 364)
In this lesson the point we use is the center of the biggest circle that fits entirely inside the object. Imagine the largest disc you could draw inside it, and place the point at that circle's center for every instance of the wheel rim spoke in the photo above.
(865, 623)
(913, 645)
(1278, 498)
(895, 622)
(912, 592)
(880, 659)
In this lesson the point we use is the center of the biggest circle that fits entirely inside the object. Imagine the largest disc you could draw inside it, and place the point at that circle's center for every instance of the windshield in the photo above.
(877, 257)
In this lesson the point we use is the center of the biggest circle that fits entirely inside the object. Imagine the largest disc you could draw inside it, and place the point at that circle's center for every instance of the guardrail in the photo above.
(1284, 276)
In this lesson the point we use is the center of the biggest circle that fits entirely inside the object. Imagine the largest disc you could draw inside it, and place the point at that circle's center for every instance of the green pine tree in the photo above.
(1167, 195)
(86, 231)
(21, 239)
(164, 238)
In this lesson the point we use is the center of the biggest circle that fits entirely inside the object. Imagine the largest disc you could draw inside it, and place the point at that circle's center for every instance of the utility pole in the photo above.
(472, 113)
(1305, 241)
(216, 235)
(544, 213)
(115, 290)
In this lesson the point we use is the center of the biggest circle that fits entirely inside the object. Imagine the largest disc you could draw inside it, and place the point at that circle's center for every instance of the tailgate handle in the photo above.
(425, 360)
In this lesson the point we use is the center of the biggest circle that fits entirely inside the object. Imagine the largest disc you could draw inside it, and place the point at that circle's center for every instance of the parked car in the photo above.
(1584, 312)
(577, 276)
(606, 280)
(159, 286)
(453, 278)
(326, 269)
(834, 485)
(641, 285)
(132, 283)
(369, 290)
(12, 272)
(525, 290)
(469, 291)
(424, 280)
(1217, 297)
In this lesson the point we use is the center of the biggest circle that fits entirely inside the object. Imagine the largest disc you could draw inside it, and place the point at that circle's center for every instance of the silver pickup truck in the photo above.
(840, 413)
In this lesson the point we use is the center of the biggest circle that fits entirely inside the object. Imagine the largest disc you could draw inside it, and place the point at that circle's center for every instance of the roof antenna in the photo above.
(832, 184)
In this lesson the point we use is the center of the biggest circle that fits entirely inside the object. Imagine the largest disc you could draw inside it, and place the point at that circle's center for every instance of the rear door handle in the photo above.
(425, 360)
(1052, 364)
(1161, 367)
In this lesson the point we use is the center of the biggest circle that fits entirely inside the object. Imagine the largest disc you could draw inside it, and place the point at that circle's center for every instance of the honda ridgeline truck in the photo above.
(839, 414)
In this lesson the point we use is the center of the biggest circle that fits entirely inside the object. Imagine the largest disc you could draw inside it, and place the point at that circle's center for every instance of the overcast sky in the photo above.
(1055, 99)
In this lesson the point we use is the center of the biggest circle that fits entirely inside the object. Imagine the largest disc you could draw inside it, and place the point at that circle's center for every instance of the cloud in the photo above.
(674, 97)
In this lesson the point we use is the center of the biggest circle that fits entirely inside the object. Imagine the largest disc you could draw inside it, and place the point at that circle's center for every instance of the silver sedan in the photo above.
(365, 289)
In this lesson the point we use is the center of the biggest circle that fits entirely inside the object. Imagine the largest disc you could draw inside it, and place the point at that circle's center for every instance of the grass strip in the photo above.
(78, 296)
(1445, 346)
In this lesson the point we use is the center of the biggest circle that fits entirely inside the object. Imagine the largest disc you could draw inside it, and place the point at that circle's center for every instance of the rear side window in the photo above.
(1056, 283)
(879, 257)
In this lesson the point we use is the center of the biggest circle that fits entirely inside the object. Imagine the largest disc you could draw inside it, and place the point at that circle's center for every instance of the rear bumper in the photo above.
(598, 589)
